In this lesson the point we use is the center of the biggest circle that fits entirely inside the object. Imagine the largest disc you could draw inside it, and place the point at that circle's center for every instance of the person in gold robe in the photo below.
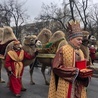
(68, 63)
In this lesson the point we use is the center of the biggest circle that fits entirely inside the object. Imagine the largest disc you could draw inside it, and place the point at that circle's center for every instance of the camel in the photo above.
(6, 36)
(49, 48)
(85, 48)
(50, 44)
(30, 45)
(44, 37)
(1, 34)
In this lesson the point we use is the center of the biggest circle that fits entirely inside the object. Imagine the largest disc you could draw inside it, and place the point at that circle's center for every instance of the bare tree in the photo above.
(71, 2)
(72, 10)
(55, 15)
(93, 17)
(4, 16)
(81, 7)
(14, 13)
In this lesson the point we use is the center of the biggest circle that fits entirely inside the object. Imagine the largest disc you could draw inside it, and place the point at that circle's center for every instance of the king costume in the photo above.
(65, 81)
(14, 59)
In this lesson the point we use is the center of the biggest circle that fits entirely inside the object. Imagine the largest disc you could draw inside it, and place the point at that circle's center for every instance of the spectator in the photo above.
(92, 53)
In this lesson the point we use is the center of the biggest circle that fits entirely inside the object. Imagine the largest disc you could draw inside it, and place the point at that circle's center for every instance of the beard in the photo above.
(17, 48)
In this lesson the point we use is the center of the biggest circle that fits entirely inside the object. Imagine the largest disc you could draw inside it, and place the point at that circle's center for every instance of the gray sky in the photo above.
(34, 6)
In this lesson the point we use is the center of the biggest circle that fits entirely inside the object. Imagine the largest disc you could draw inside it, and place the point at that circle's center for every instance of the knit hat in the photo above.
(74, 29)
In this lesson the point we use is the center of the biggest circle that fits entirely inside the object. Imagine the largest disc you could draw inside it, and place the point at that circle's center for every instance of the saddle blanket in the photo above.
(46, 56)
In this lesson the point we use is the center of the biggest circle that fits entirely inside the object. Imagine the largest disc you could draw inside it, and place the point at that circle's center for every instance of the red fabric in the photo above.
(92, 50)
(69, 90)
(81, 64)
(92, 53)
(3, 46)
(15, 83)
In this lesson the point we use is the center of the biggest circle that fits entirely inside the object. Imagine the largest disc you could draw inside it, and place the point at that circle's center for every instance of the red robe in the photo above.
(92, 53)
(15, 83)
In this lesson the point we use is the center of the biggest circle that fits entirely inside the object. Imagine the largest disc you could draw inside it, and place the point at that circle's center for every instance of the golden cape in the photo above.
(63, 85)
(17, 61)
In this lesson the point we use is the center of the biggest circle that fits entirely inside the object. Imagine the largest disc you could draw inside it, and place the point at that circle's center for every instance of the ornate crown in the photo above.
(74, 29)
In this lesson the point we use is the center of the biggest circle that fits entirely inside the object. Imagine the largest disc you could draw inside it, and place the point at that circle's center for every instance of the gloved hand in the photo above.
(36, 53)
(9, 72)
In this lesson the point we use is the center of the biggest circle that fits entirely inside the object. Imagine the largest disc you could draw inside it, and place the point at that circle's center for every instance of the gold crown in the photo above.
(74, 30)
(73, 26)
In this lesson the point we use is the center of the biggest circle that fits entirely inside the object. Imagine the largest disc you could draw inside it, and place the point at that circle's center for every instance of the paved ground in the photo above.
(40, 90)
(92, 89)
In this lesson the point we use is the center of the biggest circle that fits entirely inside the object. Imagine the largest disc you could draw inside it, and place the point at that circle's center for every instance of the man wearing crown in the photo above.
(69, 65)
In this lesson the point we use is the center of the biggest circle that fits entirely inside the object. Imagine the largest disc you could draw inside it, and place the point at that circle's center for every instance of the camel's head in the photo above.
(32, 40)
(92, 39)
(85, 41)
